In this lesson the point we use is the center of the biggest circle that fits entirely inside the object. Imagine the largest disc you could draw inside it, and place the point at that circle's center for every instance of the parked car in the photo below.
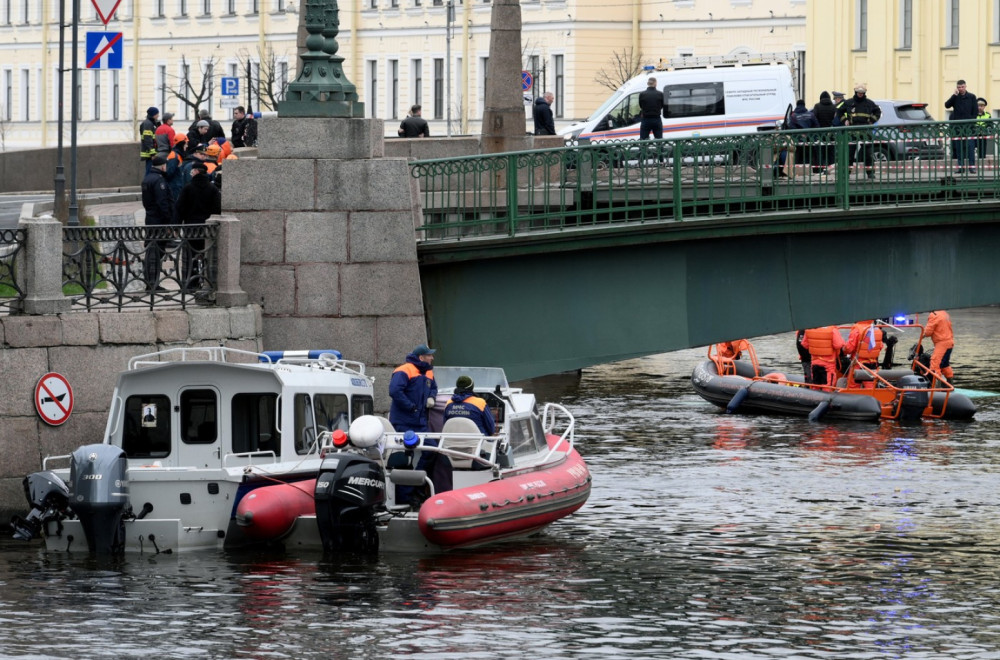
(892, 142)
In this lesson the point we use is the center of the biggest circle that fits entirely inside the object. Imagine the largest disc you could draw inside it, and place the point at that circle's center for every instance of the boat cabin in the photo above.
(221, 407)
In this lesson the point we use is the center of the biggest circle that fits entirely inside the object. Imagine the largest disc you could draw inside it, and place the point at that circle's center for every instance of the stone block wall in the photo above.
(89, 349)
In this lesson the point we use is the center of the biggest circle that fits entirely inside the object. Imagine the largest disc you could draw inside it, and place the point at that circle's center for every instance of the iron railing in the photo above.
(134, 267)
(714, 177)
(11, 290)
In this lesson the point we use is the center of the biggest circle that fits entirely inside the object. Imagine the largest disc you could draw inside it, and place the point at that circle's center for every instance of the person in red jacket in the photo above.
(938, 328)
(824, 346)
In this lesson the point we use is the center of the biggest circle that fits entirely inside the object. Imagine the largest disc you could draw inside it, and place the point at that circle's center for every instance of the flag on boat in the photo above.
(871, 337)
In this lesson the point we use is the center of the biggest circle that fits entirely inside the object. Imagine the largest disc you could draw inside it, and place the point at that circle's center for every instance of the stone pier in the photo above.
(328, 242)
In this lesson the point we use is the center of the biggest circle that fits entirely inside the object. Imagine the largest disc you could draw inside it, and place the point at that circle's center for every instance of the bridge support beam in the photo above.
(328, 241)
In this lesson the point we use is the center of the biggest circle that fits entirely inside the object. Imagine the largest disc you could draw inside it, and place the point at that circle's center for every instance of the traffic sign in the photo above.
(526, 81)
(230, 86)
(105, 9)
(53, 398)
(104, 50)
(229, 102)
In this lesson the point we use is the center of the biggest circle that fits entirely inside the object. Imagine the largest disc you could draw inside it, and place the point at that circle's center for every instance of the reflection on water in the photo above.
(706, 536)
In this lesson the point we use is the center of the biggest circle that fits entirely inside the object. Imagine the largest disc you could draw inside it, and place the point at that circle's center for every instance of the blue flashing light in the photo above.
(274, 356)
(649, 67)
(410, 439)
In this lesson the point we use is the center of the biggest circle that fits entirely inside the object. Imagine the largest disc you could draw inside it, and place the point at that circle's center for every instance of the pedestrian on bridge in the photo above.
(651, 111)
(542, 114)
(982, 128)
(963, 105)
(414, 126)
(159, 206)
(859, 110)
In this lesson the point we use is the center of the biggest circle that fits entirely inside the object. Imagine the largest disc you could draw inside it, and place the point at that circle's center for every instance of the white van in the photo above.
(716, 100)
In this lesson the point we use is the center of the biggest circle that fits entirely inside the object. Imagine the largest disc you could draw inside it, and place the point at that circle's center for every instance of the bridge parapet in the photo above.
(714, 177)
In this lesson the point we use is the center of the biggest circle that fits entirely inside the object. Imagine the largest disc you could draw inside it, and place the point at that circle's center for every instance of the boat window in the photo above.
(538, 434)
(362, 405)
(693, 100)
(255, 423)
(146, 428)
(331, 412)
(198, 417)
(521, 441)
(305, 424)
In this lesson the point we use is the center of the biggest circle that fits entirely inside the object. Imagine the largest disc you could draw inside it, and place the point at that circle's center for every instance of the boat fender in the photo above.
(820, 410)
(737, 400)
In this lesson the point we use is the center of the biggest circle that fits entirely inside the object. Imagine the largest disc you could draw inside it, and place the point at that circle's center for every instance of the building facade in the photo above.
(906, 49)
(398, 53)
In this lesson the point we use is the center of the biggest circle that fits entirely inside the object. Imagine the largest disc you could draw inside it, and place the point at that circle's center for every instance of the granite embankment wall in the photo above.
(89, 349)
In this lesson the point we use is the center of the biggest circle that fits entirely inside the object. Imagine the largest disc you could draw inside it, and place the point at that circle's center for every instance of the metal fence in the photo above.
(11, 290)
(700, 178)
(137, 267)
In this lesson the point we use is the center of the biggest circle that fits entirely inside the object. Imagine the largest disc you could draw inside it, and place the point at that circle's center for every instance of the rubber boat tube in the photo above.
(781, 398)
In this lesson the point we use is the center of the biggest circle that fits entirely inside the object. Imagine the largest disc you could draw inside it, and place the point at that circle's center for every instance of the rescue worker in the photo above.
(730, 349)
(175, 165)
(147, 136)
(164, 134)
(804, 356)
(824, 346)
(838, 102)
(865, 342)
(413, 391)
(159, 206)
(199, 200)
(859, 110)
(938, 328)
(464, 403)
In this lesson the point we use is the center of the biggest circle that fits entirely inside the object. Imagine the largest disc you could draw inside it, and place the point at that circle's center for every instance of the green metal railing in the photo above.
(719, 177)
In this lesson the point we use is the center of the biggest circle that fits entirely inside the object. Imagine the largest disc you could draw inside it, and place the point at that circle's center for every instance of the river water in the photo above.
(706, 536)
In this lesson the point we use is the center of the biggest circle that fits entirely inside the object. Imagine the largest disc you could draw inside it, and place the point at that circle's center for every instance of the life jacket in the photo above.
(867, 353)
(821, 342)
(985, 114)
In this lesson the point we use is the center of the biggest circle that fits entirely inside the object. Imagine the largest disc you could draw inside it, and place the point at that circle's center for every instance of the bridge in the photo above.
(558, 259)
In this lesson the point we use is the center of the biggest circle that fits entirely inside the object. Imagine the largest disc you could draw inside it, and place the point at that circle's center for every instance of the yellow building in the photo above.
(905, 49)
(397, 54)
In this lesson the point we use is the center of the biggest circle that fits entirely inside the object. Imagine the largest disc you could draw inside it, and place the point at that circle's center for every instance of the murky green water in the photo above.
(706, 536)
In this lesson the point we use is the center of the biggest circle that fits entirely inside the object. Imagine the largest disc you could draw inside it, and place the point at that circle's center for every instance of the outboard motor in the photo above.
(348, 490)
(912, 404)
(99, 496)
(48, 496)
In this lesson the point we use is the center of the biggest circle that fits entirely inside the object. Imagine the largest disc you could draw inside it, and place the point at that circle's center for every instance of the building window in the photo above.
(484, 72)
(952, 23)
(254, 85)
(417, 73)
(8, 11)
(282, 80)
(560, 86)
(438, 88)
(254, 7)
(373, 4)
(230, 7)
(26, 6)
(861, 28)
(281, 6)
(209, 78)
(394, 4)
(161, 85)
(206, 7)
(95, 96)
(373, 87)
(25, 95)
(115, 91)
(906, 23)
(158, 8)
(182, 8)
(185, 83)
(394, 88)
(533, 69)
(8, 94)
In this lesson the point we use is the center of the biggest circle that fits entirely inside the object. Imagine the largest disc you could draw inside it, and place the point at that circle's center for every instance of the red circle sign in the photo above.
(53, 398)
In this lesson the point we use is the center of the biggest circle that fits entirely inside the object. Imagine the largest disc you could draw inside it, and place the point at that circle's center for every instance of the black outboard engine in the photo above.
(348, 490)
(48, 496)
(99, 495)
(912, 404)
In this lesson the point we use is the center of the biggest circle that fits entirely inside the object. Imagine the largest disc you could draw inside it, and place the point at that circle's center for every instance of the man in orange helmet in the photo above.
(938, 328)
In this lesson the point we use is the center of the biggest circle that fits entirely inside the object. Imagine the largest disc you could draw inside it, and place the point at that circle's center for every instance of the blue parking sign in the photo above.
(104, 50)
(230, 86)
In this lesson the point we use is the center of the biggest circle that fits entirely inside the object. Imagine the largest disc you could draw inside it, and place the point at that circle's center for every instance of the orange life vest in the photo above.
(821, 342)
(863, 349)
(412, 372)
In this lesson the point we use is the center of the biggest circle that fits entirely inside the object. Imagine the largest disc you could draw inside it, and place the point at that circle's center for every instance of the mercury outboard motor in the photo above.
(912, 404)
(348, 489)
(48, 496)
(99, 496)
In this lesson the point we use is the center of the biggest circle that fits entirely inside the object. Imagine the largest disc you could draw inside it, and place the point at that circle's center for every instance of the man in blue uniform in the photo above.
(413, 391)
(464, 403)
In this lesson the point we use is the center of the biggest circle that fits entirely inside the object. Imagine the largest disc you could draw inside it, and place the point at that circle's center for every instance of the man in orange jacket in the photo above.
(824, 346)
(938, 328)
(865, 341)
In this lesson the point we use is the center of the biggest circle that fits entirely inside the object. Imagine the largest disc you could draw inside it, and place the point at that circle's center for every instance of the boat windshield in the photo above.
(485, 378)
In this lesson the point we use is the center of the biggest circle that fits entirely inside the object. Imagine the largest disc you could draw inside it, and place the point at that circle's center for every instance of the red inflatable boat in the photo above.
(269, 512)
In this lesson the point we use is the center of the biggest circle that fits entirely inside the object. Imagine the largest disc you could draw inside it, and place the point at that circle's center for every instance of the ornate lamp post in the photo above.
(321, 88)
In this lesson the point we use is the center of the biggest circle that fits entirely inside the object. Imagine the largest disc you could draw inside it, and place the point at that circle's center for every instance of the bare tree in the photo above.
(623, 66)
(184, 90)
(269, 83)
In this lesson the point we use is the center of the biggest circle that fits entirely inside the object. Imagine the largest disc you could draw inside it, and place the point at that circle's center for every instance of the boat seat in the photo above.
(465, 443)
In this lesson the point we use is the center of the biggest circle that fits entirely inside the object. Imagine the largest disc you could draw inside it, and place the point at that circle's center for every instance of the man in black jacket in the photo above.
(159, 206)
(963, 106)
(651, 111)
(147, 136)
(199, 200)
(542, 114)
(859, 110)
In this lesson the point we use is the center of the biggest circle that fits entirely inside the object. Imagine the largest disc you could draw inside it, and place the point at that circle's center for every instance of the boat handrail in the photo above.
(116, 407)
(186, 353)
(251, 455)
(45, 461)
(394, 442)
(326, 361)
(548, 424)
(721, 361)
